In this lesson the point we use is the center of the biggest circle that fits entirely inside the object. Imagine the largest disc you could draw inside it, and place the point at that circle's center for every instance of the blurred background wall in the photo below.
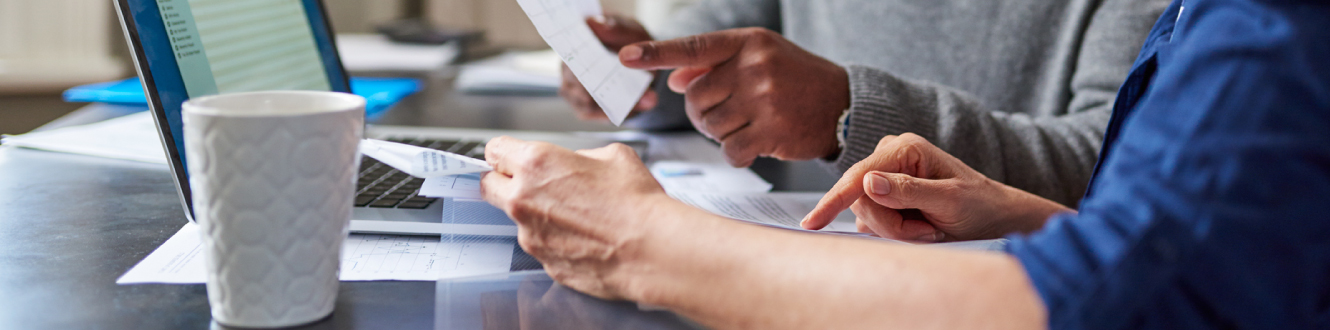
(502, 20)
(47, 46)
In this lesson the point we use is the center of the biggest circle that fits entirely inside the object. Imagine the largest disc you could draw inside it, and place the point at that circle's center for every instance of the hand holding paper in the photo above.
(615, 88)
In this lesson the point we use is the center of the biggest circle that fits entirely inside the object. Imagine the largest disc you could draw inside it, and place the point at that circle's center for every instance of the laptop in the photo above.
(184, 49)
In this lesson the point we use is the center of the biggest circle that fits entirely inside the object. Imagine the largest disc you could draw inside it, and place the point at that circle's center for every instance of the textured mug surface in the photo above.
(272, 175)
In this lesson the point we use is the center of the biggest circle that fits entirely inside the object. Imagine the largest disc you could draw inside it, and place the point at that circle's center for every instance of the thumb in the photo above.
(615, 32)
(902, 191)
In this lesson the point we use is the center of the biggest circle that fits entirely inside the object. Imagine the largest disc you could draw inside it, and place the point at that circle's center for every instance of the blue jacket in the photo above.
(1210, 205)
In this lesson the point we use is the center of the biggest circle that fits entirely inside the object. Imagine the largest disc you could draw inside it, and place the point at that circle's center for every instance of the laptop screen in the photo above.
(193, 48)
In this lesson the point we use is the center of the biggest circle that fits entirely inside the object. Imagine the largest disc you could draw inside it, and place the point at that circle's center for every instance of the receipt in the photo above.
(421, 162)
(615, 87)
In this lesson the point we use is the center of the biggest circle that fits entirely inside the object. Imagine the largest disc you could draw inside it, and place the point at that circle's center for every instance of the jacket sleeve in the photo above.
(1051, 156)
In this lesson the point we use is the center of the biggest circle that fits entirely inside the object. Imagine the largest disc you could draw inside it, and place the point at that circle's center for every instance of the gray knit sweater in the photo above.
(1021, 90)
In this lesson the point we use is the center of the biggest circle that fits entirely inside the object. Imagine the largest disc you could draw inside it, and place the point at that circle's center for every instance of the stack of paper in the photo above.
(703, 177)
(512, 73)
(131, 137)
(364, 258)
(779, 209)
(372, 52)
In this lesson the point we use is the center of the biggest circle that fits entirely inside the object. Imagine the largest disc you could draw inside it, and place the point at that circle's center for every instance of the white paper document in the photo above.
(131, 137)
(421, 258)
(661, 147)
(562, 24)
(456, 186)
(781, 209)
(374, 52)
(713, 178)
(364, 258)
(512, 72)
(421, 162)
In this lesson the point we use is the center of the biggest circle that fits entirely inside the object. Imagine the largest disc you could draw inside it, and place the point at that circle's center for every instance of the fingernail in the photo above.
(630, 53)
(880, 185)
(600, 19)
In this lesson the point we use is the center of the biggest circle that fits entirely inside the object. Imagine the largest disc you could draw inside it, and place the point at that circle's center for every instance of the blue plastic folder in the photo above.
(379, 93)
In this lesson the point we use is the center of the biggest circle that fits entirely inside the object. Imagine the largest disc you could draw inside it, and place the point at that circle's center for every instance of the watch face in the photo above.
(842, 128)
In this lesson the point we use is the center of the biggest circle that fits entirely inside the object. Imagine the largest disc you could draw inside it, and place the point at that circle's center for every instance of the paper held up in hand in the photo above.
(446, 174)
(562, 23)
(421, 162)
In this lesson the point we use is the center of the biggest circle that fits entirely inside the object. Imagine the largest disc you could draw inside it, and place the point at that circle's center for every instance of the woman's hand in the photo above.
(908, 189)
(580, 213)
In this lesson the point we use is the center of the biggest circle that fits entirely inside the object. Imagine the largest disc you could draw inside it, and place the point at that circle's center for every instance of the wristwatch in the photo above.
(842, 128)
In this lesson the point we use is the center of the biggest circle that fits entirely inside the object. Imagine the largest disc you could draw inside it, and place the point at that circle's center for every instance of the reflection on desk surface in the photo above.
(532, 300)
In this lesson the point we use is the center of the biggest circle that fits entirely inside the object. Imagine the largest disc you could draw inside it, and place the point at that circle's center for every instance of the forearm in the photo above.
(728, 274)
(1026, 212)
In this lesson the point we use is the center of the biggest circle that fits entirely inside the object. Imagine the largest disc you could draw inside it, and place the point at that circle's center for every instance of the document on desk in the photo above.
(456, 186)
(562, 23)
(701, 177)
(780, 209)
(689, 147)
(673, 176)
(364, 258)
(131, 137)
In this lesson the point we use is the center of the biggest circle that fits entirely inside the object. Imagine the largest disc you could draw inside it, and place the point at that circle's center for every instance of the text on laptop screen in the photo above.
(196, 48)
(228, 46)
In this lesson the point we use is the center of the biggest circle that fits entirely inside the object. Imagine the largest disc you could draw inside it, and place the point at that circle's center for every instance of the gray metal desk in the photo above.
(70, 225)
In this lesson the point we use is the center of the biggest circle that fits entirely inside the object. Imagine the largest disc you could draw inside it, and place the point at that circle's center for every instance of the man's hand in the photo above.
(752, 90)
(577, 212)
(614, 32)
(907, 176)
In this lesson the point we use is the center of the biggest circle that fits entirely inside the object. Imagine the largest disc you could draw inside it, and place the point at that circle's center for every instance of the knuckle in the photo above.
(766, 87)
(622, 150)
(694, 46)
(537, 154)
(517, 206)
(762, 37)
(532, 243)
(763, 61)
(914, 140)
(527, 159)
(885, 142)
(904, 190)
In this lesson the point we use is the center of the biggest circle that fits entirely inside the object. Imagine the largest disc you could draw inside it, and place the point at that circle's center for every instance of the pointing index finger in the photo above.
(703, 50)
(842, 195)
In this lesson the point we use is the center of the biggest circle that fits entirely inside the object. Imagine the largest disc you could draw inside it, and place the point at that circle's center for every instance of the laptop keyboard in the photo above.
(381, 186)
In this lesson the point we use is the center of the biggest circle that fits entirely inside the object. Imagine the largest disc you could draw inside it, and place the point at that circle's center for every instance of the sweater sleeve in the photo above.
(1051, 156)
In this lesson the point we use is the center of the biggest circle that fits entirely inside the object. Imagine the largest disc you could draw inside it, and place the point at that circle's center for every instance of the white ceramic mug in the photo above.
(273, 175)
